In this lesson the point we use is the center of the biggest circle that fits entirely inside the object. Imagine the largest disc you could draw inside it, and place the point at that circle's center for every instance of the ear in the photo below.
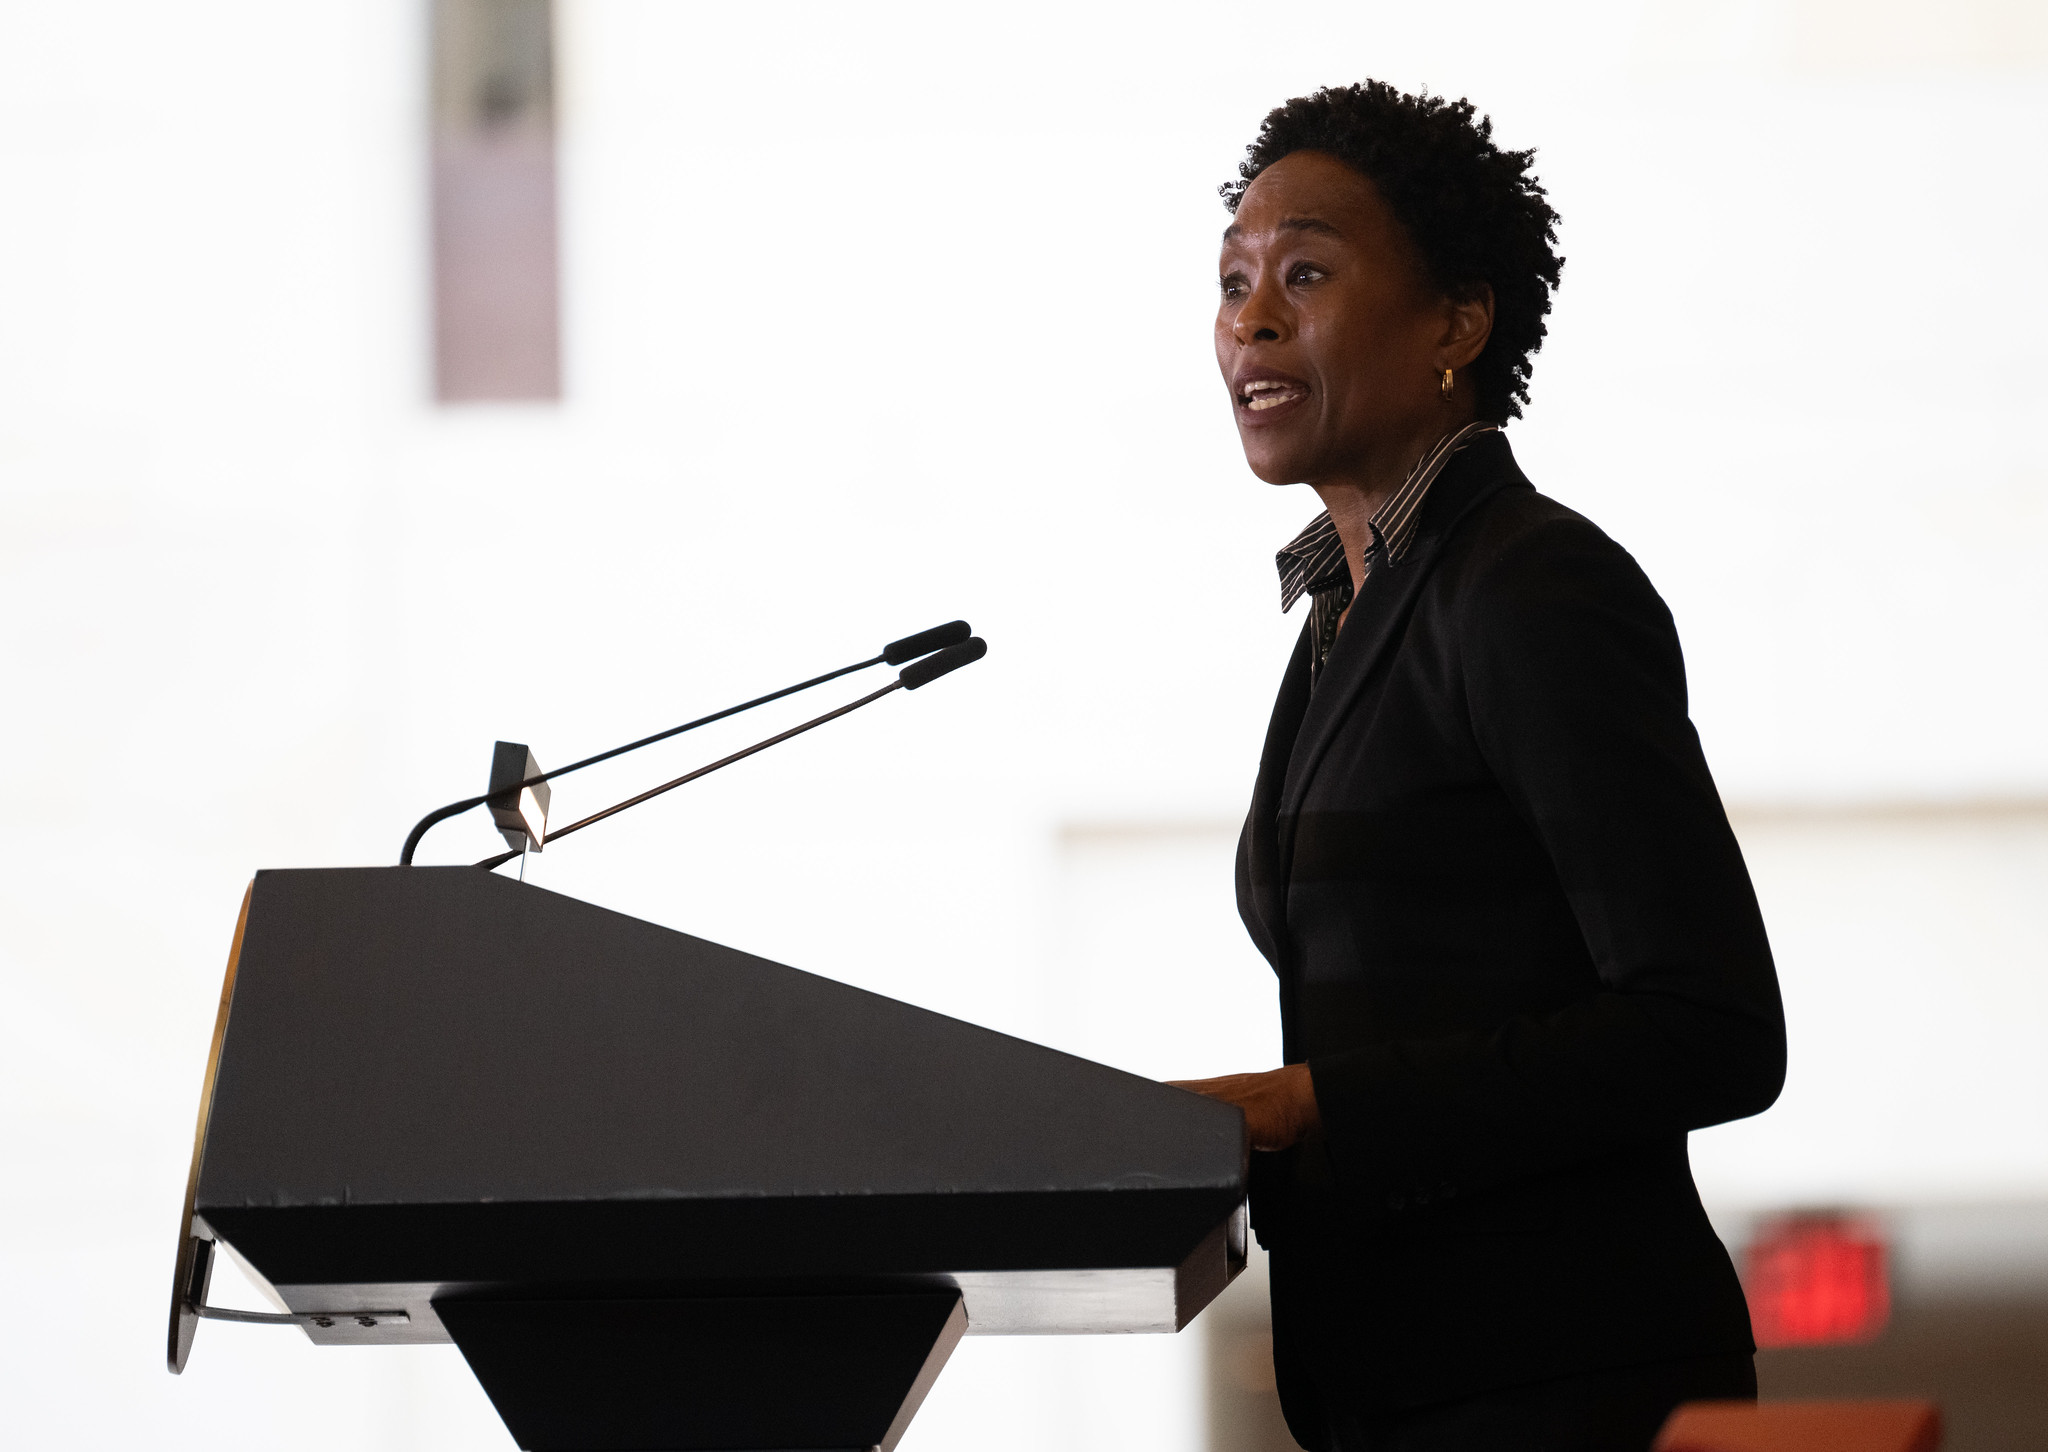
(1468, 323)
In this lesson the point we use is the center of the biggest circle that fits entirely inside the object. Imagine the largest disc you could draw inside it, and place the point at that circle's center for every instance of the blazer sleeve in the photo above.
(1575, 689)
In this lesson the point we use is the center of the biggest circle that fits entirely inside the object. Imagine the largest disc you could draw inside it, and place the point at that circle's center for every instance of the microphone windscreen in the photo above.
(925, 642)
(967, 652)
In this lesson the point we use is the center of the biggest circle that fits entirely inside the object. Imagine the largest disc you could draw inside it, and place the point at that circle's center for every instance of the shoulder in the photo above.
(1518, 526)
(1519, 549)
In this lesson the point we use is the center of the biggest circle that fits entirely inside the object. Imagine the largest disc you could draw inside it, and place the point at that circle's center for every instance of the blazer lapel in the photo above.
(1379, 615)
(1261, 884)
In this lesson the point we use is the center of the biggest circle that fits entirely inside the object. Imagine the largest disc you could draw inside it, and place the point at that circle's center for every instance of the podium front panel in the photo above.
(437, 1083)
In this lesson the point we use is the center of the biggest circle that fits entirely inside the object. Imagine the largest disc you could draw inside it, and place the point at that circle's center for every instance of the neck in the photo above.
(1356, 494)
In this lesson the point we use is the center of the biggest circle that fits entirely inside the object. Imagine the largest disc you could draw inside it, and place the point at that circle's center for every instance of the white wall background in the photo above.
(880, 315)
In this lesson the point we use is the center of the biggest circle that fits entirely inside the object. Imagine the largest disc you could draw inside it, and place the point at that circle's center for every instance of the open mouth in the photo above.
(1264, 393)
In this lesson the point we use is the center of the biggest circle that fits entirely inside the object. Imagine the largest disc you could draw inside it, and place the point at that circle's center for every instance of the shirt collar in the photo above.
(1313, 561)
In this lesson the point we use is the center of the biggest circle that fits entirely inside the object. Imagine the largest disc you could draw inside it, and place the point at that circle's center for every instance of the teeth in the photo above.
(1269, 393)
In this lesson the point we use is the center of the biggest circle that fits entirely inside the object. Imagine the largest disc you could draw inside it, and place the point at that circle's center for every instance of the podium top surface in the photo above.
(429, 1036)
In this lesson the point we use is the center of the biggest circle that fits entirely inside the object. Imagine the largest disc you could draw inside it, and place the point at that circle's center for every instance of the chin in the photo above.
(1273, 468)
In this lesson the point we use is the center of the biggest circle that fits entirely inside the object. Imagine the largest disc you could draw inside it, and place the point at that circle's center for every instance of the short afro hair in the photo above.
(1475, 212)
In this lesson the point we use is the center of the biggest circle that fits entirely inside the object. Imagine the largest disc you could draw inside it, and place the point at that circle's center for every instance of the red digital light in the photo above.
(1816, 1280)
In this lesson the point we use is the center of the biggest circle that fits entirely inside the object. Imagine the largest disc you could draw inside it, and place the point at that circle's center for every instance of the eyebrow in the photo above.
(1289, 224)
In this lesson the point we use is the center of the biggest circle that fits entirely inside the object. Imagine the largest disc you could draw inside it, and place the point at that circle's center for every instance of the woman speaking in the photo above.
(1518, 952)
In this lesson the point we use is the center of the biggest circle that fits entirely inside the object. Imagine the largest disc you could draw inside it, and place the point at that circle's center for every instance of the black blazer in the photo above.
(1519, 950)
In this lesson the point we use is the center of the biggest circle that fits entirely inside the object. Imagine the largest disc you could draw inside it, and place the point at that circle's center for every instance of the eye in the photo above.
(1303, 273)
(1233, 286)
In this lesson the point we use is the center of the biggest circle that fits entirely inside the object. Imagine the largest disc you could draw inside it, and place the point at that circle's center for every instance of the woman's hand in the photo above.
(1279, 1105)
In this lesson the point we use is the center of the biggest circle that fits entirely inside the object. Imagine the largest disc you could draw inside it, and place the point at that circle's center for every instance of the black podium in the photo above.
(665, 1195)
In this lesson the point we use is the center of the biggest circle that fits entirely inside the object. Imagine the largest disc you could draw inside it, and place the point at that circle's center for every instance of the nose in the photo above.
(1265, 316)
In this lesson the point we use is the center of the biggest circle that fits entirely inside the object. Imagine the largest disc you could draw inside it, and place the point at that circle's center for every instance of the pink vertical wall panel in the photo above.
(497, 296)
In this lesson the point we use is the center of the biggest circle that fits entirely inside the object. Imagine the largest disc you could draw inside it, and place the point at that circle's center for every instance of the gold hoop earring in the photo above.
(1447, 383)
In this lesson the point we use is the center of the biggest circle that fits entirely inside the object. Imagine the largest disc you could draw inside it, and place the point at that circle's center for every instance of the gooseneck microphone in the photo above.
(896, 652)
(923, 673)
(967, 652)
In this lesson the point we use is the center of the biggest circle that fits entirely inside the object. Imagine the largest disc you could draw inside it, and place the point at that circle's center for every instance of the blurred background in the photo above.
(381, 378)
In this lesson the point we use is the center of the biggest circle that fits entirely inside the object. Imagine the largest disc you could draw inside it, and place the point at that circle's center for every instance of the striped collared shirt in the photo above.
(1312, 563)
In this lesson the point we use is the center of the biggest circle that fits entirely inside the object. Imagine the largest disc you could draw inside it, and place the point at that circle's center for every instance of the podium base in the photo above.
(823, 1373)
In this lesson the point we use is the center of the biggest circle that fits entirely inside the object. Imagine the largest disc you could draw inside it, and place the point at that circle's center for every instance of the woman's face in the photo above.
(1328, 334)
